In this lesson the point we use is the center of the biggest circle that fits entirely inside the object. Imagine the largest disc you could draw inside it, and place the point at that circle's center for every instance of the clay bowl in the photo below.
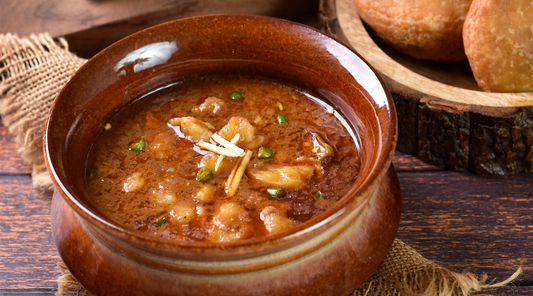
(331, 254)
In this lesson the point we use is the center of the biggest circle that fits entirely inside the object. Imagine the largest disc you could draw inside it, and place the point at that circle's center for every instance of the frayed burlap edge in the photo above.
(32, 72)
(67, 284)
(404, 272)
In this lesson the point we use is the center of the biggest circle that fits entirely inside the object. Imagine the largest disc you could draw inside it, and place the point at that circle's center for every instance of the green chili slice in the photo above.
(236, 96)
(316, 194)
(138, 146)
(265, 153)
(204, 175)
(93, 173)
(275, 193)
(282, 119)
(161, 221)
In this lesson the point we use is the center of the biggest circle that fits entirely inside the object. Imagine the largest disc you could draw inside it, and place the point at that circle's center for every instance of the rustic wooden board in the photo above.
(409, 163)
(512, 290)
(90, 26)
(63, 17)
(459, 220)
(28, 256)
(443, 117)
(10, 161)
(470, 223)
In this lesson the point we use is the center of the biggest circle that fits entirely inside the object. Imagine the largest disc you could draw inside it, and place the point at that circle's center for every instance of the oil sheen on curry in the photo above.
(221, 159)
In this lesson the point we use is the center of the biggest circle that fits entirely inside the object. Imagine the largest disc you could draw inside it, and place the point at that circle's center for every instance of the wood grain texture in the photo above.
(443, 133)
(406, 163)
(462, 221)
(63, 17)
(407, 103)
(449, 210)
(469, 223)
(10, 161)
(28, 292)
(88, 42)
(28, 257)
(512, 290)
(501, 142)
(90, 26)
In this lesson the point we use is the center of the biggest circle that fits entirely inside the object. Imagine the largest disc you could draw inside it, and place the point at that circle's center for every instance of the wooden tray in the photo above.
(443, 116)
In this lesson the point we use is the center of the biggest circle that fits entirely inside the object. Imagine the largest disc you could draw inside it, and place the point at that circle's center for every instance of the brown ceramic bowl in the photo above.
(331, 254)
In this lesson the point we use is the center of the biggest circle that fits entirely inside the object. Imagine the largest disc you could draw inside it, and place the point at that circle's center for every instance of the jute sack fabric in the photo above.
(32, 72)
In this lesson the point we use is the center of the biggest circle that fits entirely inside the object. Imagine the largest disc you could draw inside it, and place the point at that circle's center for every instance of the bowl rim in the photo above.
(296, 233)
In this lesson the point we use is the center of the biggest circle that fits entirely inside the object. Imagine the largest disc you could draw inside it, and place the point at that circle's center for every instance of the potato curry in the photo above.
(221, 159)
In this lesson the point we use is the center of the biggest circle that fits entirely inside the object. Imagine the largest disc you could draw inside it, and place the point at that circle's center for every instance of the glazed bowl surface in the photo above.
(331, 254)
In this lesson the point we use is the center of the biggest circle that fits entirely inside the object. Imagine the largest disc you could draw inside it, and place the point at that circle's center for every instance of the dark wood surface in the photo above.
(459, 220)
(91, 25)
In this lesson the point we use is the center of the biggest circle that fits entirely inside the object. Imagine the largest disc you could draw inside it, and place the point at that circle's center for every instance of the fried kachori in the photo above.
(424, 29)
(498, 38)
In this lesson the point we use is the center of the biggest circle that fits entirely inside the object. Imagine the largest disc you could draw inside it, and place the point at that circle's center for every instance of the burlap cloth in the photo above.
(33, 70)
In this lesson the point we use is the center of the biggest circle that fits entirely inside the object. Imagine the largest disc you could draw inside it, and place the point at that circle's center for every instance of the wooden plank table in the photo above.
(459, 220)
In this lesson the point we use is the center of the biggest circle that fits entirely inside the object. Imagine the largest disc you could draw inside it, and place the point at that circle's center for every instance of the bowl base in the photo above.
(103, 270)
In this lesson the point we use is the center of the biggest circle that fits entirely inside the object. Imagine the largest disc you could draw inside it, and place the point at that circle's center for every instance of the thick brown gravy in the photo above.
(154, 185)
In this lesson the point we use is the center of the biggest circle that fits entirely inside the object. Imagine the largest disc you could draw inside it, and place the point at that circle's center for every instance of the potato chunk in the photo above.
(210, 160)
(194, 130)
(275, 219)
(182, 213)
(241, 126)
(152, 121)
(211, 105)
(163, 196)
(282, 176)
(134, 182)
(323, 150)
(161, 143)
(201, 211)
(231, 222)
(206, 193)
